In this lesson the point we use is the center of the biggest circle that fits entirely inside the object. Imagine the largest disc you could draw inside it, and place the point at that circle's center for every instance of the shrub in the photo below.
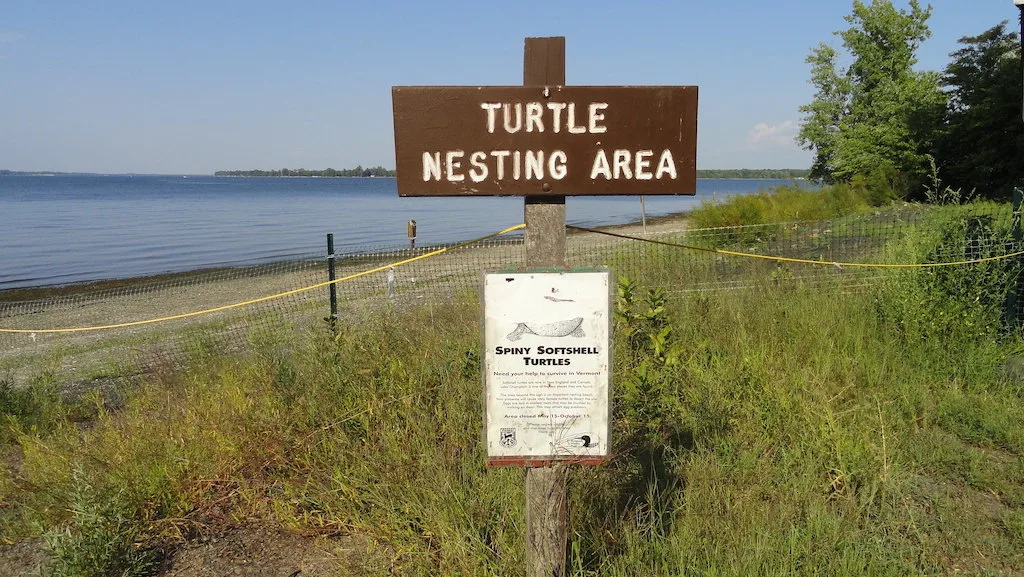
(100, 538)
(36, 407)
(952, 302)
(878, 188)
(780, 205)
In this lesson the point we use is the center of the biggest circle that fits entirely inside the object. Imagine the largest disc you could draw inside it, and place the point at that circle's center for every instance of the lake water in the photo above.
(73, 228)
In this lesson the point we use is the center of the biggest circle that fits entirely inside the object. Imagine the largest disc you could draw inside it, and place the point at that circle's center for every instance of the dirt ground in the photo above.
(251, 550)
(258, 551)
(22, 559)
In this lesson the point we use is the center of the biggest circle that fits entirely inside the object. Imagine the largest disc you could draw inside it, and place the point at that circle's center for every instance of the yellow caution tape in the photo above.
(800, 260)
(506, 231)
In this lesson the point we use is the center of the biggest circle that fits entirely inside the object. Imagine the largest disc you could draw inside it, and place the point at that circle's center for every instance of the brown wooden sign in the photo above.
(536, 140)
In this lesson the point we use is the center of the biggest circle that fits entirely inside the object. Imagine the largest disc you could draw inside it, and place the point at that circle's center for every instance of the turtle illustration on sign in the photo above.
(582, 441)
(566, 328)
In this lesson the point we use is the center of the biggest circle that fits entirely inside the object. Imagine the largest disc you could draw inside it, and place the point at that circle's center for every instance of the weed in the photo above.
(36, 407)
(936, 193)
(783, 204)
(100, 539)
(961, 302)
(1013, 523)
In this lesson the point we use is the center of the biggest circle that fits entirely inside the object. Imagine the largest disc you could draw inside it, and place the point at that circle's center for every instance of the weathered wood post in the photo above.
(546, 363)
(544, 65)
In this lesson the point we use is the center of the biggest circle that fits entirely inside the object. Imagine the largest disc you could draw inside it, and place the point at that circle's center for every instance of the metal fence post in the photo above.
(333, 288)
(1018, 200)
(1011, 309)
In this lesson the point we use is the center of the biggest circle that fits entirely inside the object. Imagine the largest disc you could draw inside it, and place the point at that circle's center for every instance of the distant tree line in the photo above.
(876, 121)
(776, 173)
(327, 172)
(34, 173)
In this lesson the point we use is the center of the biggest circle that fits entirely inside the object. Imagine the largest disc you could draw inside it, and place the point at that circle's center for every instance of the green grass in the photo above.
(780, 429)
(782, 204)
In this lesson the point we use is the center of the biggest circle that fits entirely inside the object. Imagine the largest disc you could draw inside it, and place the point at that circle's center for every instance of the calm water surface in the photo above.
(72, 228)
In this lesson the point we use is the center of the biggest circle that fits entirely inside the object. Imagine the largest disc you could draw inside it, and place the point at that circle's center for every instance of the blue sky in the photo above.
(197, 86)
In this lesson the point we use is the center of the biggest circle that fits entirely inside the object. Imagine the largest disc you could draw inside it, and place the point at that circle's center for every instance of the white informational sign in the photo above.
(546, 365)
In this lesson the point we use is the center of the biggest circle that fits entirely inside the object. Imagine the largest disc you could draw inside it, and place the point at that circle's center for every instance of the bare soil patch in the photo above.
(252, 550)
(255, 550)
(23, 559)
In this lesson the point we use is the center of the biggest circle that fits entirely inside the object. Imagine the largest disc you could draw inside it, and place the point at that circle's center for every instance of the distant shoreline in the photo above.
(709, 174)
(673, 222)
(359, 171)
(380, 172)
(291, 176)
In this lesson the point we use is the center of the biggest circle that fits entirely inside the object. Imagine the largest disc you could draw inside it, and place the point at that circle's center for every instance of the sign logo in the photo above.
(507, 437)
(583, 441)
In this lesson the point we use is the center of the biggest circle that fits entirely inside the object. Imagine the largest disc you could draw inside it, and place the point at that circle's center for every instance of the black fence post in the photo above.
(333, 288)
(1012, 310)
(1018, 200)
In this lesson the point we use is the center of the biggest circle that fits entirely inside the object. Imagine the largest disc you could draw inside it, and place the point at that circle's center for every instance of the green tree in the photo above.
(877, 116)
(981, 147)
(820, 129)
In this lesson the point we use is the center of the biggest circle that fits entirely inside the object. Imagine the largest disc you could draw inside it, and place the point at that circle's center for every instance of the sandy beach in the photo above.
(83, 355)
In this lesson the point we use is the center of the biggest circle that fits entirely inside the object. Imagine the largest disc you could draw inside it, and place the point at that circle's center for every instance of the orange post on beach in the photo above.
(410, 229)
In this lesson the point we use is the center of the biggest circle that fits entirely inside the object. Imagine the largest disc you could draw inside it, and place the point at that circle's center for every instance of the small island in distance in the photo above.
(358, 171)
(376, 171)
(755, 173)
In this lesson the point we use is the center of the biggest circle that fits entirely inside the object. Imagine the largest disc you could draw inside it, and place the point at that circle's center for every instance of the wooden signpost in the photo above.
(545, 141)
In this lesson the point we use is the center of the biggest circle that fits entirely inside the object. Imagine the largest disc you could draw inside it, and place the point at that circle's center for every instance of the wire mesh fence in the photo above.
(898, 235)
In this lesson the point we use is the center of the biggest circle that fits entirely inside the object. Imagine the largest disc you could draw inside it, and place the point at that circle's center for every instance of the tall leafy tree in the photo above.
(878, 114)
(981, 147)
(820, 129)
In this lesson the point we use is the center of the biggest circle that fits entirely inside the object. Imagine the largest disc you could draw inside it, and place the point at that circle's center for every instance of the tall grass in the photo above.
(783, 204)
(771, 430)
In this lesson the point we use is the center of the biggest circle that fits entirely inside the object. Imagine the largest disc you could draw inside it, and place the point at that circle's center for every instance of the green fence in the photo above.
(899, 235)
